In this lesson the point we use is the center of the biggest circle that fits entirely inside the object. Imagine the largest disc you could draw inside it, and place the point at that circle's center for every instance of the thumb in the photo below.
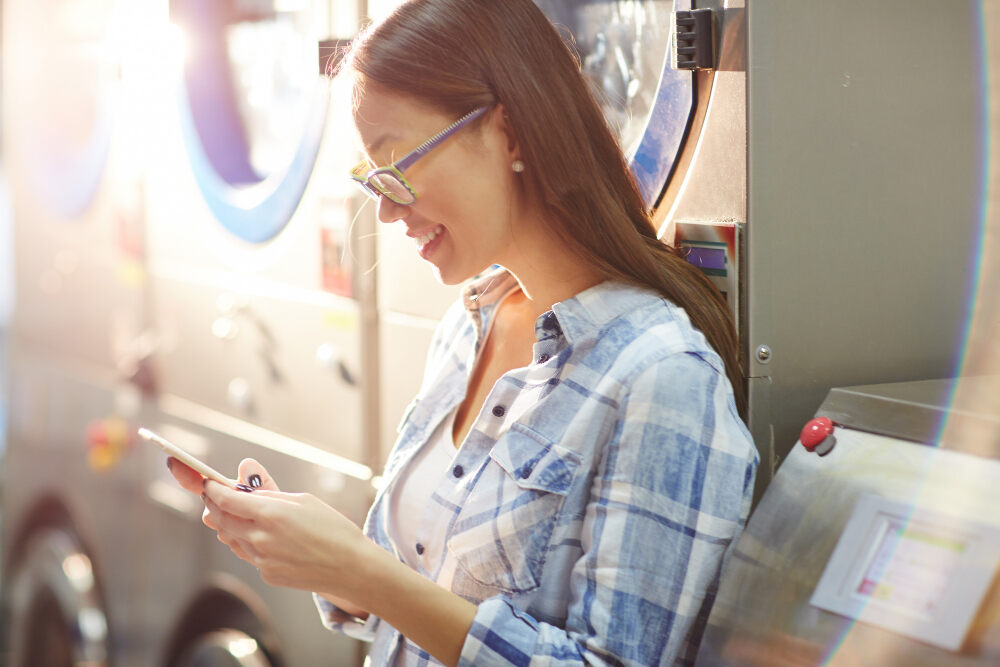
(254, 475)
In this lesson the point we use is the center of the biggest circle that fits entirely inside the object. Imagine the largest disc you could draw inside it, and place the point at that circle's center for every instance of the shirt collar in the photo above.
(481, 296)
(579, 318)
(585, 315)
(488, 288)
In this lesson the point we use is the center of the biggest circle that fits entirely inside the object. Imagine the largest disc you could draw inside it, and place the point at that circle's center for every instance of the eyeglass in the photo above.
(389, 181)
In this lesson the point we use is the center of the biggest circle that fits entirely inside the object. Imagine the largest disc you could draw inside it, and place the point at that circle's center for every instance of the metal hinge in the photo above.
(694, 40)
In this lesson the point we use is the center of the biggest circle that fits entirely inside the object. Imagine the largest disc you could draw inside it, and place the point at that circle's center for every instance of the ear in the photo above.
(503, 125)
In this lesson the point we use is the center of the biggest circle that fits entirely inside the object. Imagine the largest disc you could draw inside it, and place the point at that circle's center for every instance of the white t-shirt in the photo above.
(415, 486)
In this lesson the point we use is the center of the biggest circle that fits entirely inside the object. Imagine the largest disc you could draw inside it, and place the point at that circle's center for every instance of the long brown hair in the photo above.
(456, 55)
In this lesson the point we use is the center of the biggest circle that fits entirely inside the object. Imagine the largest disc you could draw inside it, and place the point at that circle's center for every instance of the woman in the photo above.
(574, 469)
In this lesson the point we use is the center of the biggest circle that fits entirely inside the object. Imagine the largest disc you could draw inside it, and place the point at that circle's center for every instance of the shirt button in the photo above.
(543, 358)
(499, 410)
(457, 471)
(526, 472)
(420, 549)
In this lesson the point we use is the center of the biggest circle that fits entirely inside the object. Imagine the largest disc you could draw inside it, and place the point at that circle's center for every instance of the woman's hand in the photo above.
(279, 556)
(192, 481)
(294, 540)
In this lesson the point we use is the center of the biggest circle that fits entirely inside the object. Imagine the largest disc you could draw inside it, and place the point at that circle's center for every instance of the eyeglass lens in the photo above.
(390, 185)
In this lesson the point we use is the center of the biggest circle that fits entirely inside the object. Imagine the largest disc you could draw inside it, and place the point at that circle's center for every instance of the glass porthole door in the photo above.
(624, 47)
(64, 111)
(254, 105)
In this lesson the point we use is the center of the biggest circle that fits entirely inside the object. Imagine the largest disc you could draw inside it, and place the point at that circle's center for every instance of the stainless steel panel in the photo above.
(762, 614)
(865, 163)
(918, 411)
(288, 365)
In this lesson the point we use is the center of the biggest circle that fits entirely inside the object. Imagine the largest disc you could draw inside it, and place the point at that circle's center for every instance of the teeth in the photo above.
(427, 238)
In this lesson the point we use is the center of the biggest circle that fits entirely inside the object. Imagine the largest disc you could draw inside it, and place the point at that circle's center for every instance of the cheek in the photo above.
(470, 193)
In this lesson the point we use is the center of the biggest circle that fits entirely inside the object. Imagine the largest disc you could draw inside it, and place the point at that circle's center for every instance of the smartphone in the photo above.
(190, 460)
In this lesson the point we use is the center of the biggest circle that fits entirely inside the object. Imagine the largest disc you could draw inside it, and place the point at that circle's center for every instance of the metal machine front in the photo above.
(179, 267)
(878, 542)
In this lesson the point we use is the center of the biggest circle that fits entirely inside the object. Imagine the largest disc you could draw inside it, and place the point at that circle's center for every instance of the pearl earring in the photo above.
(517, 166)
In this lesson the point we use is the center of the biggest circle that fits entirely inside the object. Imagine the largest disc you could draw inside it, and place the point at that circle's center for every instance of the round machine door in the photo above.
(253, 107)
(53, 610)
(624, 47)
(60, 107)
(225, 648)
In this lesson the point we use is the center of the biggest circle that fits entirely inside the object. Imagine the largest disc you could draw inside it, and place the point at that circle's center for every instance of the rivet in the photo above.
(763, 354)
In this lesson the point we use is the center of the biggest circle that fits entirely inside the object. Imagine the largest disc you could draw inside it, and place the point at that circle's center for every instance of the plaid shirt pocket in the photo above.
(503, 532)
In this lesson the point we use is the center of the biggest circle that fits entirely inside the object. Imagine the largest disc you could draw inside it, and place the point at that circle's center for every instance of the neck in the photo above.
(549, 273)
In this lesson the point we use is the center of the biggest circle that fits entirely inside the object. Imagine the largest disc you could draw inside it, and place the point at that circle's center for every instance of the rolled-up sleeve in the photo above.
(670, 495)
(335, 618)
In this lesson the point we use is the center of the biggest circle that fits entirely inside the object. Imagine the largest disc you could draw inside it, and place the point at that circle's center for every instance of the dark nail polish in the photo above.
(244, 487)
(170, 463)
(255, 481)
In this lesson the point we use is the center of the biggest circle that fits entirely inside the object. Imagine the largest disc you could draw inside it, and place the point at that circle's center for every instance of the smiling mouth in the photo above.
(424, 239)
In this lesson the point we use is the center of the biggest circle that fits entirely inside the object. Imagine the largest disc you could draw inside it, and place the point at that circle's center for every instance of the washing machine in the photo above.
(76, 199)
(777, 148)
(670, 75)
(260, 302)
(186, 253)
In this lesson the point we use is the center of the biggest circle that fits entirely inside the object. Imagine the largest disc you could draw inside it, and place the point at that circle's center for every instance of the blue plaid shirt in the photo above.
(591, 507)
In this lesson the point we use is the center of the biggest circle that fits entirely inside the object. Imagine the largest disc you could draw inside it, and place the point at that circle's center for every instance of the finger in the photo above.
(239, 548)
(189, 479)
(234, 547)
(251, 506)
(254, 475)
(250, 554)
(208, 519)
(227, 525)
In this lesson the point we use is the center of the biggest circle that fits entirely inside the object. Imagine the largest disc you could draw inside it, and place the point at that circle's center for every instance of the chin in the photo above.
(451, 276)
(448, 279)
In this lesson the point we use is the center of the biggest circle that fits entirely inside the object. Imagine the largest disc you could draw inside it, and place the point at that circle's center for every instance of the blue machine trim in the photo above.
(654, 158)
(256, 212)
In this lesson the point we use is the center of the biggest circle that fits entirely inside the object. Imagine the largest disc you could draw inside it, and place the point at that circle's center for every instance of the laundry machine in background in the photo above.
(865, 199)
(800, 159)
(76, 205)
(258, 301)
(184, 263)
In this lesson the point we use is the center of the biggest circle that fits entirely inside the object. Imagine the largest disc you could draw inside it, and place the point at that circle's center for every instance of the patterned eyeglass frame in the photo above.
(363, 176)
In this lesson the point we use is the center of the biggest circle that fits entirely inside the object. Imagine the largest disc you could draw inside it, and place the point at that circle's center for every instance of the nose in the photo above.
(390, 211)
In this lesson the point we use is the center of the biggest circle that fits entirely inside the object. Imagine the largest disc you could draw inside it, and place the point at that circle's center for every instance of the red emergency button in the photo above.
(817, 436)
